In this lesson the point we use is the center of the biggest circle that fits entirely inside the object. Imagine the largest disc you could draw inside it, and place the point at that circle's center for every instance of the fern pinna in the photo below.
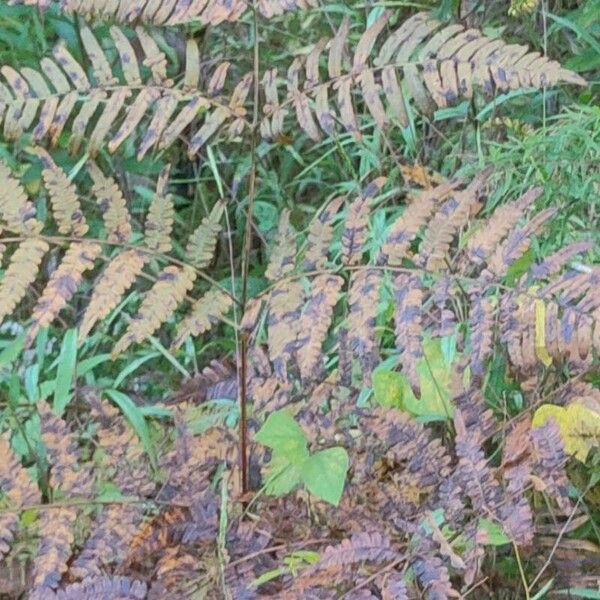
(125, 261)
(143, 96)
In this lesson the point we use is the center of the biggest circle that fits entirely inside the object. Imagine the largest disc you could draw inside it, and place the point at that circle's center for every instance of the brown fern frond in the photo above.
(284, 322)
(114, 281)
(168, 12)
(363, 297)
(481, 245)
(553, 264)
(203, 242)
(17, 213)
(21, 273)
(161, 215)
(281, 261)
(447, 222)
(481, 325)
(320, 235)
(113, 206)
(19, 492)
(434, 577)
(69, 477)
(356, 225)
(63, 283)
(316, 319)
(408, 295)
(101, 586)
(102, 103)
(405, 229)
(205, 313)
(423, 59)
(158, 305)
(66, 208)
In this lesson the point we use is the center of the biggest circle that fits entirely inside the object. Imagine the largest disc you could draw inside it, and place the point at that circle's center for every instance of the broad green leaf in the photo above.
(579, 426)
(280, 431)
(65, 372)
(324, 474)
(392, 388)
(495, 533)
(283, 474)
(134, 415)
(12, 351)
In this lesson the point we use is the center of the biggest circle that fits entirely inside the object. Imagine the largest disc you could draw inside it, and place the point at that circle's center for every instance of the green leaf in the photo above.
(281, 432)
(12, 351)
(495, 533)
(134, 415)
(65, 373)
(283, 474)
(392, 388)
(324, 474)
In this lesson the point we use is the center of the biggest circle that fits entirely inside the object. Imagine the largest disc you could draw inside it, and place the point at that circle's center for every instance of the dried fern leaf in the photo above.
(205, 313)
(357, 220)
(408, 295)
(70, 477)
(481, 324)
(515, 245)
(320, 235)
(16, 211)
(285, 307)
(168, 12)
(96, 587)
(481, 245)
(19, 491)
(447, 222)
(21, 273)
(423, 59)
(113, 206)
(161, 215)
(66, 208)
(281, 261)
(363, 297)
(104, 104)
(203, 242)
(553, 264)
(115, 280)
(158, 305)
(63, 283)
(405, 229)
(316, 319)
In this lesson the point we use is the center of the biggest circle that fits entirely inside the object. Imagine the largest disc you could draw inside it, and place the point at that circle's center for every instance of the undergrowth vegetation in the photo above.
(299, 299)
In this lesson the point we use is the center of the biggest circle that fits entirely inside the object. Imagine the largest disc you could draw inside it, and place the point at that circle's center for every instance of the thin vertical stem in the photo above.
(246, 257)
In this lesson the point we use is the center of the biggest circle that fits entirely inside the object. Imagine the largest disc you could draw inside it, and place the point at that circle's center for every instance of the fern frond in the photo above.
(17, 213)
(113, 206)
(363, 297)
(422, 59)
(281, 261)
(158, 305)
(554, 264)
(481, 325)
(168, 12)
(405, 229)
(106, 104)
(452, 216)
(316, 319)
(70, 477)
(115, 280)
(63, 283)
(202, 243)
(161, 215)
(356, 226)
(408, 295)
(21, 273)
(66, 208)
(205, 312)
(101, 586)
(320, 235)
(19, 491)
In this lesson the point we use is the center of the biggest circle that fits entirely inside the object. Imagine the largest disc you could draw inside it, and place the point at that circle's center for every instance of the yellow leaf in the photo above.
(541, 350)
(579, 426)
